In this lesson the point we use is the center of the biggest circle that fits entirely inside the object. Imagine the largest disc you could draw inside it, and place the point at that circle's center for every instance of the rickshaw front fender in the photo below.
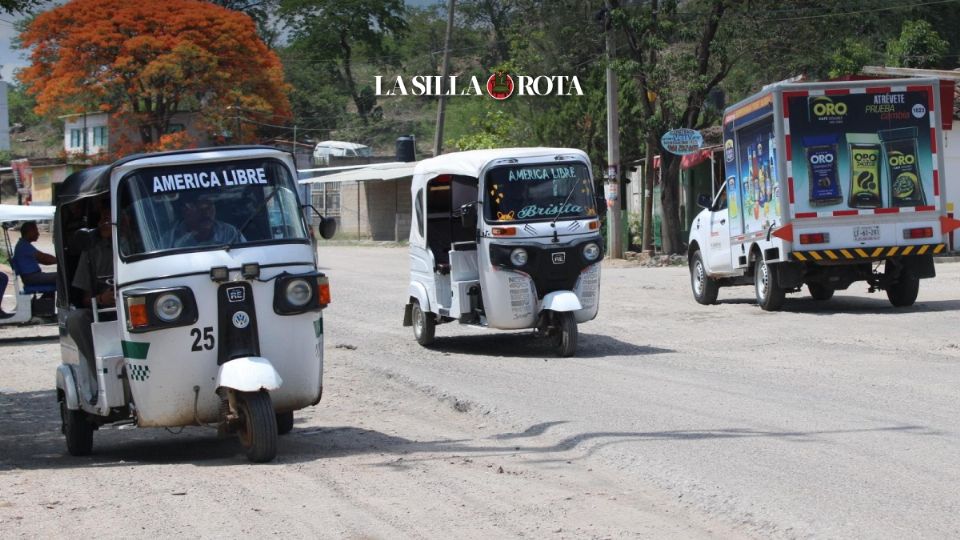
(67, 384)
(561, 301)
(249, 374)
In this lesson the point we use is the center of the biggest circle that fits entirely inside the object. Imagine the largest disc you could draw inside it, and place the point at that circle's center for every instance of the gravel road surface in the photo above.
(831, 419)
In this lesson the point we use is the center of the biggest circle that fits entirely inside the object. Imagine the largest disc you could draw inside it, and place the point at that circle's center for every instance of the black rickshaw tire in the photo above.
(258, 427)
(77, 430)
(284, 422)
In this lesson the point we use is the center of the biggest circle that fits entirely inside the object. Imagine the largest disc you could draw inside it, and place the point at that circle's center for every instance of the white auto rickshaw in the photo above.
(505, 238)
(212, 314)
(30, 307)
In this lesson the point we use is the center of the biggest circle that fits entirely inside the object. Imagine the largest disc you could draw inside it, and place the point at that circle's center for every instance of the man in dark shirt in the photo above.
(99, 260)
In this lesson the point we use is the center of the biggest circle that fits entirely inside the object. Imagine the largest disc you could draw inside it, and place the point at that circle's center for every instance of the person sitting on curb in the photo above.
(27, 259)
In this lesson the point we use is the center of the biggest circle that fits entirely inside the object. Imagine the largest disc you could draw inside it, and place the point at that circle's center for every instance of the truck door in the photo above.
(719, 253)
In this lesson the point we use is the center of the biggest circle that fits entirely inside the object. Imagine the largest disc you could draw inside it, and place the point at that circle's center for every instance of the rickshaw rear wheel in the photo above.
(424, 325)
(284, 422)
(566, 334)
(258, 426)
(77, 430)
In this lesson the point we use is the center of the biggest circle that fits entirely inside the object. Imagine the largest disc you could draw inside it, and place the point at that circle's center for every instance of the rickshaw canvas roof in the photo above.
(473, 162)
(14, 212)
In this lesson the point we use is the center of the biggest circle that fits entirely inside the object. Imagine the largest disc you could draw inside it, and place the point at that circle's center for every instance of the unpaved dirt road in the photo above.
(833, 420)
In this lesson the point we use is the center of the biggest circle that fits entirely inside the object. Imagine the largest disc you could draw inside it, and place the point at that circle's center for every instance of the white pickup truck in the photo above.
(823, 183)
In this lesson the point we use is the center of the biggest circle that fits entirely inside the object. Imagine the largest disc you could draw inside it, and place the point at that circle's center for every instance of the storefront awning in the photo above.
(690, 161)
(370, 173)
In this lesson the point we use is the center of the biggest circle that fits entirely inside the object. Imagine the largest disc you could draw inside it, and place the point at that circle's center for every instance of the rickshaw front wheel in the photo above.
(258, 426)
(566, 334)
(77, 430)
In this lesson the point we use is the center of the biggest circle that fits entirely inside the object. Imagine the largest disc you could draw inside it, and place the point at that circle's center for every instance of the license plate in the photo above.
(866, 233)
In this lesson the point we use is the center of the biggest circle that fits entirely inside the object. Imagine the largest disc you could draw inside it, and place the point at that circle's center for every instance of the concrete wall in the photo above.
(88, 122)
(375, 210)
(4, 117)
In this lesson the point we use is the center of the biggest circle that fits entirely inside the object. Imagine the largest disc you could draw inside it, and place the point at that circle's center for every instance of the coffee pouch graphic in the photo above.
(901, 163)
(822, 157)
(865, 189)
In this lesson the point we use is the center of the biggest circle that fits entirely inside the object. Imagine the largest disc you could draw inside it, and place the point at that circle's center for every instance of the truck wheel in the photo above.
(77, 429)
(424, 325)
(704, 289)
(903, 293)
(566, 338)
(258, 426)
(820, 292)
(769, 295)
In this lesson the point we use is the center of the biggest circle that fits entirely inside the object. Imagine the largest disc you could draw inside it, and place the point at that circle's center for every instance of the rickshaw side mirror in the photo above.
(601, 204)
(703, 201)
(85, 239)
(327, 227)
(468, 215)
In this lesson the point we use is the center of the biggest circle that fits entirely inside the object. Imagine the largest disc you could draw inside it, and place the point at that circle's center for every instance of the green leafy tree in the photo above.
(260, 11)
(918, 46)
(334, 35)
(21, 106)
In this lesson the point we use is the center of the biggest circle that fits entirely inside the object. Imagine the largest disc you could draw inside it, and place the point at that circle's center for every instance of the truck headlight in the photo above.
(168, 307)
(518, 257)
(591, 251)
(298, 292)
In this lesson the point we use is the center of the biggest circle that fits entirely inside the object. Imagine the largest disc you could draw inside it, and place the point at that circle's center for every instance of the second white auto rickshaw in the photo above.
(507, 239)
(188, 295)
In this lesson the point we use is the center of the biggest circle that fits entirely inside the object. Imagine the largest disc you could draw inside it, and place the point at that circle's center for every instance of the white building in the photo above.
(86, 133)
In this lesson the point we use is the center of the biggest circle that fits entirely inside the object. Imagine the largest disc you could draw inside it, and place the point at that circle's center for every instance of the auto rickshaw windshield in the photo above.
(208, 206)
(539, 192)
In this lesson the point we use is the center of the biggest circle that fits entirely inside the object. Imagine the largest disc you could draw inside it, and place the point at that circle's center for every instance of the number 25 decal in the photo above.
(207, 337)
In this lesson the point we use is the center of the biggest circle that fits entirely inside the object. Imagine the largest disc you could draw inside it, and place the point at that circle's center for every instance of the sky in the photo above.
(10, 58)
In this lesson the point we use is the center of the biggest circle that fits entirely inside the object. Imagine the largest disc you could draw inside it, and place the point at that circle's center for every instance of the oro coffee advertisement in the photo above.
(861, 151)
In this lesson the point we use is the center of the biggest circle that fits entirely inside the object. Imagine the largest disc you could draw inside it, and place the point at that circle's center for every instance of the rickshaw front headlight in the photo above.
(519, 257)
(168, 307)
(591, 251)
(299, 292)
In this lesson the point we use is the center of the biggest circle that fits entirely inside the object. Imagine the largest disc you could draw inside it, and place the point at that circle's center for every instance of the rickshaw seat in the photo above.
(30, 289)
(39, 289)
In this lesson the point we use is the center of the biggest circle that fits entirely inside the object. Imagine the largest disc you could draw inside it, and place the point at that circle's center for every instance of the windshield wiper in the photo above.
(243, 227)
(553, 223)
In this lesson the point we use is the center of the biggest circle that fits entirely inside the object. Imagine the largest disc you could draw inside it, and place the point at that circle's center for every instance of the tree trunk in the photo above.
(670, 226)
(348, 78)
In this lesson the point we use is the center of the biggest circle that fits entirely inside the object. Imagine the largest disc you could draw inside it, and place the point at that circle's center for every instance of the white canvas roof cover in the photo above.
(341, 144)
(14, 212)
(472, 162)
(366, 173)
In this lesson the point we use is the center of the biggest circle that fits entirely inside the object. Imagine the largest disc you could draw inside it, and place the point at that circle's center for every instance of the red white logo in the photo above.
(500, 85)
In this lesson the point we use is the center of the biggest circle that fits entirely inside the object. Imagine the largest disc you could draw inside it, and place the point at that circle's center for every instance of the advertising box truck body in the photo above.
(826, 184)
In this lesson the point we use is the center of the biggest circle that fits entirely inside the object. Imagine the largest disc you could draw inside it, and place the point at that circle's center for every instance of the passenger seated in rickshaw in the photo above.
(98, 259)
(199, 225)
(27, 259)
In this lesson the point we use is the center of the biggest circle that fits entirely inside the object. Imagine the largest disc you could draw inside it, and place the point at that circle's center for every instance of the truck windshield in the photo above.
(208, 206)
(539, 192)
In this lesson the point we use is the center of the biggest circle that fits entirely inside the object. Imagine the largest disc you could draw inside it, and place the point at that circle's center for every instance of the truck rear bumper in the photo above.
(865, 254)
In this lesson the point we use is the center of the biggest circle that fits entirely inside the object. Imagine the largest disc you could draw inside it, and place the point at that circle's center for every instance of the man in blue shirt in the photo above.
(27, 259)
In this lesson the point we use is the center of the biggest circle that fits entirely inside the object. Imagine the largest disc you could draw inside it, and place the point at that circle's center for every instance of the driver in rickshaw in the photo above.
(97, 258)
(199, 225)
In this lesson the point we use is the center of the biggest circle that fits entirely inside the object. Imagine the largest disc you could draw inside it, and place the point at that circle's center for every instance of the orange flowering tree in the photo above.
(143, 62)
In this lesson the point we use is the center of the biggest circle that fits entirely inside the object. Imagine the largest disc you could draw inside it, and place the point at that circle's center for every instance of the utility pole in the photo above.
(438, 133)
(611, 187)
(649, 173)
(236, 108)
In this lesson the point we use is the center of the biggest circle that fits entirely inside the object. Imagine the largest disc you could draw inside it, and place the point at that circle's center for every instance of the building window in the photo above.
(100, 136)
(76, 138)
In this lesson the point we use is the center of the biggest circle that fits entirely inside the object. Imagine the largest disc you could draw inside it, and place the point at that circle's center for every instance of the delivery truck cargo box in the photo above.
(821, 175)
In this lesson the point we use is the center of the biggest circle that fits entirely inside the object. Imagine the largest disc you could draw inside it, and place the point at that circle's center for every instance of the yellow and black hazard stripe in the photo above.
(857, 254)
